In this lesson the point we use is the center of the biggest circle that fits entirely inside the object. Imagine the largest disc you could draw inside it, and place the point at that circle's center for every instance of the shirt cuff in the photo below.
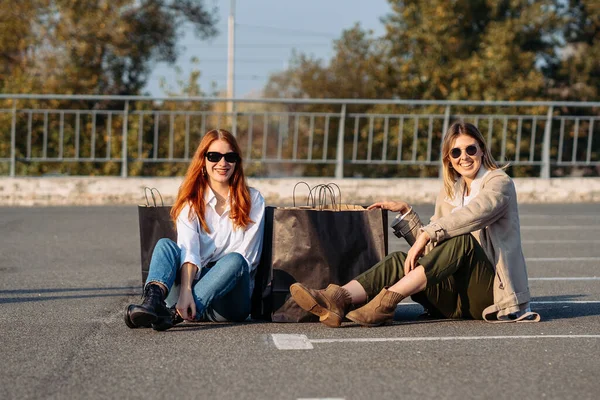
(198, 273)
(189, 258)
(401, 217)
(249, 264)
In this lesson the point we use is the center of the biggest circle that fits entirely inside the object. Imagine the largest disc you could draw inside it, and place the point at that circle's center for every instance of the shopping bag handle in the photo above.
(320, 192)
(339, 193)
(151, 190)
(310, 194)
(323, 189)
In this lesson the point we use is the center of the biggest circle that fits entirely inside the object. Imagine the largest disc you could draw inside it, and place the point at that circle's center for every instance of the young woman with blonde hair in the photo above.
(466, 263)
(219, 223)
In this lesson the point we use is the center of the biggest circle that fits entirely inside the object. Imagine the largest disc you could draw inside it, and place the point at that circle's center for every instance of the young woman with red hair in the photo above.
(219, 223)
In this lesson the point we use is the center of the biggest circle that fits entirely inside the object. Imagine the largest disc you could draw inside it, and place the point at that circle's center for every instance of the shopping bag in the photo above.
(155, 223)
(316, 245)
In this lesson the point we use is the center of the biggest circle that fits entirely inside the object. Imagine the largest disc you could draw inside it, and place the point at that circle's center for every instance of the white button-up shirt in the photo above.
(201, 248)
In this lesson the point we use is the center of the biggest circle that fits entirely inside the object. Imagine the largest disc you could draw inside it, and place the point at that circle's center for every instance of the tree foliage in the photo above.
(92, 46)
(456, 50)
(104, 47)
(576, 75)
(460, 49)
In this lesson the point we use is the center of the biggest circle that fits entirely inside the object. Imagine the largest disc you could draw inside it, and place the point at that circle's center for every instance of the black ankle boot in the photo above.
(151, 313)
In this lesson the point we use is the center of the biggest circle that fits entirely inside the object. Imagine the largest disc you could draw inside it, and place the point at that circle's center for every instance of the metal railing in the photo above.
(128, 134)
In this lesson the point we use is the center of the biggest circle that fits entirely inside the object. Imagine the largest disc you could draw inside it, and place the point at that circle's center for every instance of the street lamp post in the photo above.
(231, 56)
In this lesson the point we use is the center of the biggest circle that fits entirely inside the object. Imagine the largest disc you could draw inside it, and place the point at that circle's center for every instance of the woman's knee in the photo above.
(234, 262)
(165, 243)
(234, 258)
(166, 251)
(465, 241)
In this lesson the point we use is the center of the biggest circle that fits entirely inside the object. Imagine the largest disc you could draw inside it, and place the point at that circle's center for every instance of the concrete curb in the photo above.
(57, 191)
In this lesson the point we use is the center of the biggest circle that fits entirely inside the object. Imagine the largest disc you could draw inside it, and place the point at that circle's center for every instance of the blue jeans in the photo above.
(221, 294)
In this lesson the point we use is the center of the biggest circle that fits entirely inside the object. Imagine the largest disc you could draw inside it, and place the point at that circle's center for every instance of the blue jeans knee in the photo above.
(224, 286)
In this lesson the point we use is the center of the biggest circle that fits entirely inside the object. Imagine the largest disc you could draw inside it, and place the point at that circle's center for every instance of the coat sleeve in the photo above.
(486, 208)
(410, 226)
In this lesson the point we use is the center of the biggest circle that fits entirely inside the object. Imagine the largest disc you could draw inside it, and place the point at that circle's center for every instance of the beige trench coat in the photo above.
(492, 217)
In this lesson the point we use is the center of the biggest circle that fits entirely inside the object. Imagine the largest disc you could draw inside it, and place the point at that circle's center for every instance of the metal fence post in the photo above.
(13, 140)
(444, 130)
(124, 150)
(339, 166)
(545, 172)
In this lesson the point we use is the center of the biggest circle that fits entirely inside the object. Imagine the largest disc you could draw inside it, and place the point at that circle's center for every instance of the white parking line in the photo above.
(567, 302)
(412, 303)
(301, 342)
(321, 398)
(543, 241)
(559, 228)
(558, 241)
(448, 338)
(554, 217)
(557, 259)
(574, 278)
(291, 342)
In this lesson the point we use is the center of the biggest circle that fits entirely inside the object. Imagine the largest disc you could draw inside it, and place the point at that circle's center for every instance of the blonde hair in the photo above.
(462, 128)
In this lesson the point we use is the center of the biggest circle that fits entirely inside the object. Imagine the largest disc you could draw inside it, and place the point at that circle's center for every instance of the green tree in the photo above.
(576, 74)
(457, 50)
(86, 47)
(92, 46)
(357, 70)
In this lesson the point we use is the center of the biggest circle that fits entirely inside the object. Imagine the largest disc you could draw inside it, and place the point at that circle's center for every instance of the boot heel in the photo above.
(307, 301)
(331, 320)
(128, 320)
(140, 317)
(329, 305)
(135, 321)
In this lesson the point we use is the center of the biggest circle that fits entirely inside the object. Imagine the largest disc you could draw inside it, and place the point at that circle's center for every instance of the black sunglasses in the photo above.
(214, 156)
(470, 149)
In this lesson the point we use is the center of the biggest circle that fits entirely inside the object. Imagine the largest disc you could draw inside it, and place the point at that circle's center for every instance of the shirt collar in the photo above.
(459, 187)
(211, 199)
(209, 196)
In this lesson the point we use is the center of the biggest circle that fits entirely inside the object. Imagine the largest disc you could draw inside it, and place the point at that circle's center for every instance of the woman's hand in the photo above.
(186, 307)
(395, 206)
(415, 252)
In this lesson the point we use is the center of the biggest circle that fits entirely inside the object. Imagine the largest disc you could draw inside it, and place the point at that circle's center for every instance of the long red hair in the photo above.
(195, 184)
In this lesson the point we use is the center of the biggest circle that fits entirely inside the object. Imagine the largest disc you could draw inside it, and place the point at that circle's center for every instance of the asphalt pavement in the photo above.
(67, 273)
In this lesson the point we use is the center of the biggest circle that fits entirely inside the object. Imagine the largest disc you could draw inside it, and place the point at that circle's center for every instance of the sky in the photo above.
(266, 32)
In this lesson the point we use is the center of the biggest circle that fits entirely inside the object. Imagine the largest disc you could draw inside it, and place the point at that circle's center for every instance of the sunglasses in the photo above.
(214, 156)
(470, 150)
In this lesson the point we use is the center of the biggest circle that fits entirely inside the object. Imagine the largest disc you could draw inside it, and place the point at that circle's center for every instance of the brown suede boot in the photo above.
(330, 305)
(378, 311)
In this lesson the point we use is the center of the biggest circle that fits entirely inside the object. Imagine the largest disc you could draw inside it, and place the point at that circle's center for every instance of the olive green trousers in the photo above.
(459, 275)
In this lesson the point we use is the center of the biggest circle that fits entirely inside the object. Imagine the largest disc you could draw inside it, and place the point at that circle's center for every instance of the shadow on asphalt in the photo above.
(13, 295)
(550, 312)
(200, 326)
